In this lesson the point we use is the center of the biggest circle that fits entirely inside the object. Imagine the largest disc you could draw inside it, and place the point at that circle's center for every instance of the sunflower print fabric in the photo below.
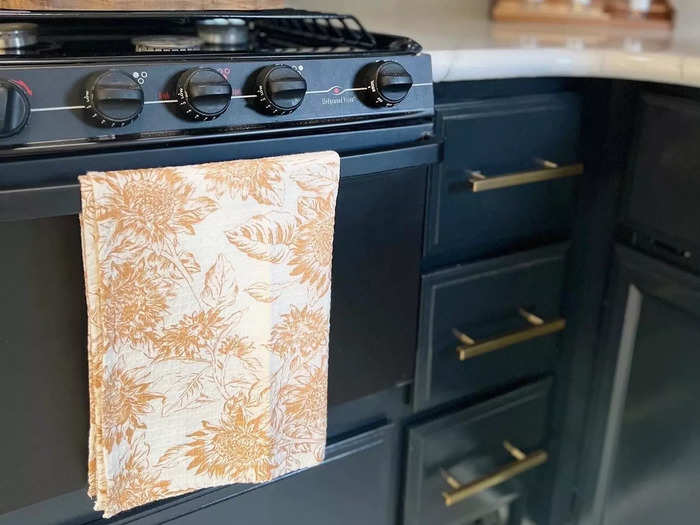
(208, 295)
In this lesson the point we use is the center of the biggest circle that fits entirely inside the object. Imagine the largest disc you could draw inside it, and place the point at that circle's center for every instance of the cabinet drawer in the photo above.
(465, 451)
(523, 200)
(663, 187)
(360, 469)
(487, 302)
(331, 492)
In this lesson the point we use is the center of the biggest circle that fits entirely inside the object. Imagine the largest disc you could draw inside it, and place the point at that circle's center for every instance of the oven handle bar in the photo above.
(56, 201)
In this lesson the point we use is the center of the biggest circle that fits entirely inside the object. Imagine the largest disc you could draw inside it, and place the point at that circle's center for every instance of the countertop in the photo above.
(484, 50)
(465, 45)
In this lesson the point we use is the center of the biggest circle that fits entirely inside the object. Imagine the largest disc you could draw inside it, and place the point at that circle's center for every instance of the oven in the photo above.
(44, 393)
(85, 99)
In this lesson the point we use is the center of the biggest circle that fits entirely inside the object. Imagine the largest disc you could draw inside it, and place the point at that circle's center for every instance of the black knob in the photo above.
(14, 108)
(280, 89)
(386, 83)
(203, 93)
(113, 98)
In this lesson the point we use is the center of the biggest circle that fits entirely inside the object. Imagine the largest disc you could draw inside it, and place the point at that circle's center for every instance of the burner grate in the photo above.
(329, 30)
(283, 32)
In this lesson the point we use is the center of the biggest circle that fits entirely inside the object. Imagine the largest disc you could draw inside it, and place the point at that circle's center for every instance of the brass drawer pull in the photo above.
(550, 171)
(523, 462)
(470, 348)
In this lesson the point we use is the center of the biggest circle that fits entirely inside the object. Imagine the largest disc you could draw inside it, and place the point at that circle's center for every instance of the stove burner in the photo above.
(36, 50)
(166, 43)
(224, 32)
(18, 35)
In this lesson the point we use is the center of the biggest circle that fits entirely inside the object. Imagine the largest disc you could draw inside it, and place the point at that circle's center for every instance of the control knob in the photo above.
(280, 89)
(203, 93)
(386, 83)
(113, 98)
(14, 108)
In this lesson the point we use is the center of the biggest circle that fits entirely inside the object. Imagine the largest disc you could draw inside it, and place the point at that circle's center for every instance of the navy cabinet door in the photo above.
(663, 184)
(467, 445)
(498, 137)
(483, 300)
(643, 459)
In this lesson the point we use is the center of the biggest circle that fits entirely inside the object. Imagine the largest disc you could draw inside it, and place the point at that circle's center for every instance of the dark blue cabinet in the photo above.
(511, 143)
(485, 301)
(662, 192)
(467, 446)
(642, 461)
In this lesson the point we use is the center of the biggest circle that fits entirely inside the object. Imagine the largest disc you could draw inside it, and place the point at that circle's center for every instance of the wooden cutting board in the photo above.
(139, 5)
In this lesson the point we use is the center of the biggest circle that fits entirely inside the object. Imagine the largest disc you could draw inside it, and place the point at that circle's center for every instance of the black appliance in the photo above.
(110, 91)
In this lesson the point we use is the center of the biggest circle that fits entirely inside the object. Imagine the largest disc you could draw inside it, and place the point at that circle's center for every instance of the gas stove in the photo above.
(106, 79)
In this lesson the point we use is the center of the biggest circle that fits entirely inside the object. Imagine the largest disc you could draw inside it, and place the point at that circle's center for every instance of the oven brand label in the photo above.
(343, 99)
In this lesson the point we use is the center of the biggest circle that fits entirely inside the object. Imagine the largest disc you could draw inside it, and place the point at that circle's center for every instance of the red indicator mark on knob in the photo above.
(23, 85)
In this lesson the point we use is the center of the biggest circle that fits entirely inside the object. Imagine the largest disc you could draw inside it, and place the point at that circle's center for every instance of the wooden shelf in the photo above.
(598, 12)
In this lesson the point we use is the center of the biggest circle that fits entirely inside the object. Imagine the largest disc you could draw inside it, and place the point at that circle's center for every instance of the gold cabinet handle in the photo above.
(548, 171)
(469, 348)
(523, 462)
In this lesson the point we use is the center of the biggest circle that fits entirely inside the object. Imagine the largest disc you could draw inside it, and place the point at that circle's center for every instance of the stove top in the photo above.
(104, 79)
(65, 36)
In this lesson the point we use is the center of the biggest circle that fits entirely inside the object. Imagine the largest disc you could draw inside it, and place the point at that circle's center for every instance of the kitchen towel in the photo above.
(208, 295)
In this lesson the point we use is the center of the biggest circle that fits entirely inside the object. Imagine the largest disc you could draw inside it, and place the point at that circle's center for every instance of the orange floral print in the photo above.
(260, 179)
(238, 447)
(208, 294)
(237, 346)
(305, 403)
(191, 336)
(154, 204)
(135, 302)
(137, 483)
(312, 247)
(300, 331)
(126, 402)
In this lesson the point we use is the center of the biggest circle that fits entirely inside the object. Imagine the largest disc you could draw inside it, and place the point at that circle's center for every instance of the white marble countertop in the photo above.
(500, 50)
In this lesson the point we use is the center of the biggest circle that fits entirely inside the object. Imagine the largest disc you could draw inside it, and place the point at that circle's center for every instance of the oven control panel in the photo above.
(48, 106)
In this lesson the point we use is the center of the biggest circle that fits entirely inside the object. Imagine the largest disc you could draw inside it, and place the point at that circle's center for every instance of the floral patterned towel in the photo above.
(208, 294)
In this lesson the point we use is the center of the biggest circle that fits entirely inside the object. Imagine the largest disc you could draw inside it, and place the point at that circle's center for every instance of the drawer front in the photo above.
(499, 138)
(487, 302)
(356, 487)
(663, 187)
(355, 484)
(466, 447)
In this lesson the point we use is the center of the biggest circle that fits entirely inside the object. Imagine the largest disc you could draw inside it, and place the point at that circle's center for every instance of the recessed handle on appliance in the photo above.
(538, 327)
(549, 171)
(64, 199)
(523, 462)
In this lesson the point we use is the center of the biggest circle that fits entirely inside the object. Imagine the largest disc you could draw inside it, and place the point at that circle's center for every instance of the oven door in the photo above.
(43, 387)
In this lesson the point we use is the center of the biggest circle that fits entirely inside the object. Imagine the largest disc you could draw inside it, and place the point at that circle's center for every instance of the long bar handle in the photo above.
(522, 463)
(550, 171)
(469, 347)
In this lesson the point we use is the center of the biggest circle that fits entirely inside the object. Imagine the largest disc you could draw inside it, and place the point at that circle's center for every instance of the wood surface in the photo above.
(139, 5)
(615, 13)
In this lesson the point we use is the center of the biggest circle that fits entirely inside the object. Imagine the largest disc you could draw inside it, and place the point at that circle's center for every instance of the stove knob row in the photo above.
(113, 98)
(280, 89)
(203, 94)
(386, 83)
(14, 108)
